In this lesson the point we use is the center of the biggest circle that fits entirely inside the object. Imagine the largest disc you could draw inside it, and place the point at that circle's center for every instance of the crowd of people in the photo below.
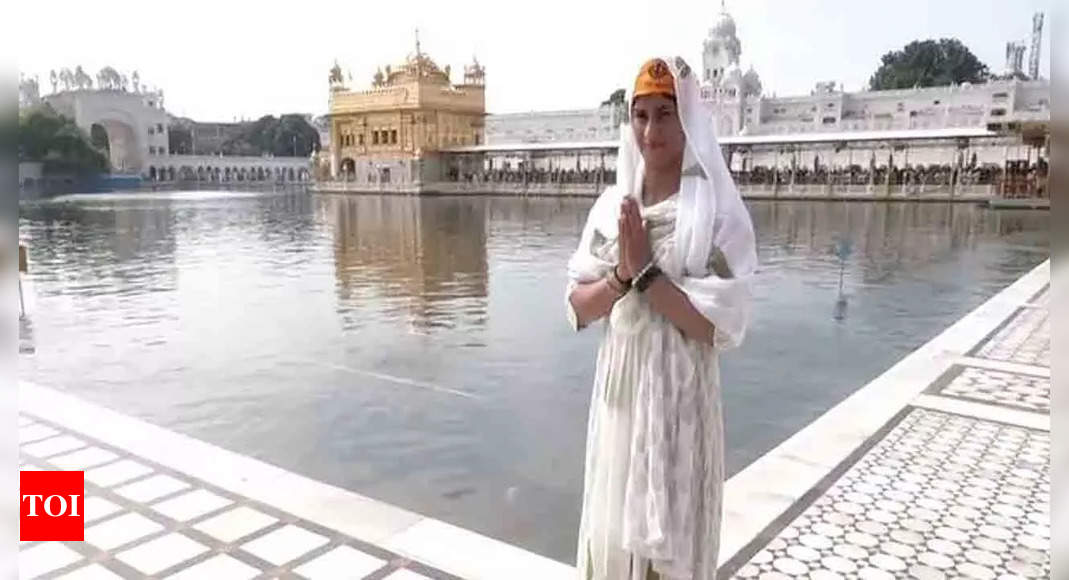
(932, 175)
(556, 175)
(1026, 175)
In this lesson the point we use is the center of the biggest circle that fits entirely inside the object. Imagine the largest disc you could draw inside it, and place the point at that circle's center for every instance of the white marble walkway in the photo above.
(163, 505)
(955, 483)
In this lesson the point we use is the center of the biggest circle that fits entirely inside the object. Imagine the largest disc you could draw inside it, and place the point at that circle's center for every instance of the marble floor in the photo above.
(143, 519)
(936, 494)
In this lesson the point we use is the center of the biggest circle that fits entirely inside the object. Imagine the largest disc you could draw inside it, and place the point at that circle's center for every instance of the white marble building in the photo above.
(579, 125)
(136, 125)
(741, 107)
(135, 122)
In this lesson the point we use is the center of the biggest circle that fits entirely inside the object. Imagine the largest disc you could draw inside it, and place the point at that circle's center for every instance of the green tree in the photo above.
(616, 98)
(928, 63)
(1013, 76)
(99, 137)
(179, 139)
(58, 142)
(289, 135)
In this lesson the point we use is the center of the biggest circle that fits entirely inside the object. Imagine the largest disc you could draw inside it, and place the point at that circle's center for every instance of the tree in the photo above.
(290, 135)
(616, 98)
(1012, 76)
(179, 139)
(927, 63)
(58, 142)
(98, 136)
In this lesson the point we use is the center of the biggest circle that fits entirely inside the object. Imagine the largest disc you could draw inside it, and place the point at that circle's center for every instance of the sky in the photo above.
(221, 61)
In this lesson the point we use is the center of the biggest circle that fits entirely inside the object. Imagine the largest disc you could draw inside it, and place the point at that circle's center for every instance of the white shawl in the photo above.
(714, 239)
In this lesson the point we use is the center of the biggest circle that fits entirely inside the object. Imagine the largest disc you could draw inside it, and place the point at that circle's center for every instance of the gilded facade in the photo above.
(391, 132)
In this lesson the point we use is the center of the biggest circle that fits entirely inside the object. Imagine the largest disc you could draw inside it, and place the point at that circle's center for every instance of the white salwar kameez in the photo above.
(655, 445)
(623, 367)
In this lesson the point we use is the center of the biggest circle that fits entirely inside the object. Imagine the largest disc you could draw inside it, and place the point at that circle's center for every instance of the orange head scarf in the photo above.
(654, 78)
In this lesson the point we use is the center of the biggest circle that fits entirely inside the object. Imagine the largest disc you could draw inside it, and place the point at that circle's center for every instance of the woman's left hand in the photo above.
(634, 240)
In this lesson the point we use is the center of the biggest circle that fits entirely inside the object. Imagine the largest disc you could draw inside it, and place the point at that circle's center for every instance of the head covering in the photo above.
(715, 245)
(711, 212)
(654, 78)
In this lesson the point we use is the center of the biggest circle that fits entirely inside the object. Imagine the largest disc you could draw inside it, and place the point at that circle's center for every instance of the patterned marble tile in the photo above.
(220, 566)
(83, 459)
(162, 553)
(34, 432)
(151, 488)
(191, 505)
(91, 572)
(235, 524)
(97, 507)
(1025, 339)
(1027, 392)
(116, 473)
(406, 575)
(137, 516)
(284, 544)
(120, 530)
(941, 496)
(45, 557)
(52, 446)
(339, 562)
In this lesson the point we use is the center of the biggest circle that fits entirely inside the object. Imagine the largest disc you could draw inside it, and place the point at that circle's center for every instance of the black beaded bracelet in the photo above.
(647, 277)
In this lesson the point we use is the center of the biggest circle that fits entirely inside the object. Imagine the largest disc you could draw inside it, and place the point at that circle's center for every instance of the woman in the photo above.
(666, 257)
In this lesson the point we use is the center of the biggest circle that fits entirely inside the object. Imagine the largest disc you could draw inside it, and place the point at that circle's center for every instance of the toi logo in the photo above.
(51, 506)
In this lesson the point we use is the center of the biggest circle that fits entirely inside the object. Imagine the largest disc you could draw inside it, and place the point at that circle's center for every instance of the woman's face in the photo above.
(658, 132)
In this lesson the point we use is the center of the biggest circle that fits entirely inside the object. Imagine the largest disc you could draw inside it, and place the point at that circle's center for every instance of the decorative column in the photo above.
(890, 167)
(907, 173)
(775, 175)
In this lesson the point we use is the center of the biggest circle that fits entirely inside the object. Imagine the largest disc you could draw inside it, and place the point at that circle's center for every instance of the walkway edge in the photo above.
(762, 493)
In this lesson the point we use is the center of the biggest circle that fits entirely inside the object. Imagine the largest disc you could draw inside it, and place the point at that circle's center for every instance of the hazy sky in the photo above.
(217, 60)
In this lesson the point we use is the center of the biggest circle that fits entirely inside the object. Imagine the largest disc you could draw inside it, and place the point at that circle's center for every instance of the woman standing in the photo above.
(666, 258)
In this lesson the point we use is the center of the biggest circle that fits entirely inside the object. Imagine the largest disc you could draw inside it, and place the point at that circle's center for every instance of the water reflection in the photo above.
(885, 240)
(429, 253)
(117, 250)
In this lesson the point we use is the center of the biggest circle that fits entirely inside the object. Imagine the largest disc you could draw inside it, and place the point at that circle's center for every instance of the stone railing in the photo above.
(515, 188)
(373, 188)
(753, 191)
(463, 188)
(239, 161)
(877, 191)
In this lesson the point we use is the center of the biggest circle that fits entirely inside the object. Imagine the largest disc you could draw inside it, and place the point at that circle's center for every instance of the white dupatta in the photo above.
(714, 240)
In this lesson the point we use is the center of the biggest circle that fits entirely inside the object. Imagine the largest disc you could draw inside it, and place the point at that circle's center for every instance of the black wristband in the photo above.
(625, 283)
(643, 282)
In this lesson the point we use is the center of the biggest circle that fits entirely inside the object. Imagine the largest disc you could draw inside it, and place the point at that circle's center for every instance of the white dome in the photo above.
(725, 25)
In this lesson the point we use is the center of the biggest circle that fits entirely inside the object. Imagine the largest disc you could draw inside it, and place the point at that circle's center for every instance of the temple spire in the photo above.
(418, 53)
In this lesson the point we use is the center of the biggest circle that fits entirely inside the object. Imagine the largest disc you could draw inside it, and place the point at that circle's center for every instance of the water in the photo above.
(416, 350)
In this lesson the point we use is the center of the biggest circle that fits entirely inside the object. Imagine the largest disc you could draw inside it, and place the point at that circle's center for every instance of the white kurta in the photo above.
(624, 528)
